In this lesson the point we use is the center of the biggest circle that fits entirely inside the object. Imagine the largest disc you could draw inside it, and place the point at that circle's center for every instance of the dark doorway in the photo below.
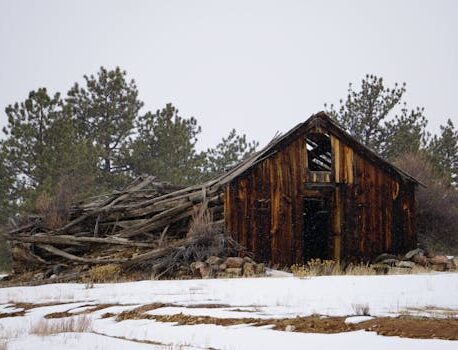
(316, 228)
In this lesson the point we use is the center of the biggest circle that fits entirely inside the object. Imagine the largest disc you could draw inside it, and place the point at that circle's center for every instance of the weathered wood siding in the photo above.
(371, 211)
(264, 207)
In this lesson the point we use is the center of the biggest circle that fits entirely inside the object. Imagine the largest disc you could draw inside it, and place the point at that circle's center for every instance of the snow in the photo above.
(358, 319)
(239, 298)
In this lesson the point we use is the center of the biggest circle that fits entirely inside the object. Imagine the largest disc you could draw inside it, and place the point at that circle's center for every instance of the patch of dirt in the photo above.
(12, 314)
(25, 307)
(89, 310)
(404, 326)
(205, 306)
(139, 312)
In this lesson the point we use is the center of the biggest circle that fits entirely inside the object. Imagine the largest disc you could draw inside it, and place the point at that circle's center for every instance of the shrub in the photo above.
(54, 210)
(46, 327)
(104, 273)
(361, 309)
(436, 206)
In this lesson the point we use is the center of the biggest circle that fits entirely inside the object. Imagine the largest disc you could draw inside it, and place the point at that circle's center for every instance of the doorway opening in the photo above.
(316, 228)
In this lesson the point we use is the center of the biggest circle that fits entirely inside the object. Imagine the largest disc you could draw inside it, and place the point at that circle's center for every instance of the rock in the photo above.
(439, 259)
(406, 264)
(234, 262)
(248, 269)
(420, 260)
(214, 260)
(380, 269)
(205, 271)
(440, 263)
(290, 328)
(260, 269)
(247, 259)
(233, 272)
(439, 267)
(58, 269)
(385, 256)
(389, 262)
(195, 267)
(414, 253)
(451, 265)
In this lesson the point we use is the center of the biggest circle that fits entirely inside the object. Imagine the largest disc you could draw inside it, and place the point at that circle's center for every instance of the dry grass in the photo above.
(361, 309)
(3, 344)
(202, 221)
(318, 267)
(46, 327)
(54, 210)
(104, 273)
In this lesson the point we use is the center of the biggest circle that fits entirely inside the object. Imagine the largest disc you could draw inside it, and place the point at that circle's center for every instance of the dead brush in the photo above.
(361, 269)
(204, 239)
(317, 267)
(54, 210)
(361, 309)
(103, 274)
(201, 221)
(46, 327)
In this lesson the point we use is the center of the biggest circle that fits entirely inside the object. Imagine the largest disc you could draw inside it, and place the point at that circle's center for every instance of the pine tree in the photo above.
(166, 147)
(42, 148)
(405, 134)
(369, 116)
(443, 150)
(7, 202)
(104, 111)
(230, 151)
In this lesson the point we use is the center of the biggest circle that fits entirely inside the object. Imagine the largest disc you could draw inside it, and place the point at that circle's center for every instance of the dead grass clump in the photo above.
(90, 309)
(104, 273)
(139, 312)
(361, 309)
(201, 221)
(362, 269)
(54, 210)
(78, 324)
(317, 267)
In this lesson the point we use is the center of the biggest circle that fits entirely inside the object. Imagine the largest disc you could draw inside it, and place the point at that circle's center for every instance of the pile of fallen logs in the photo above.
(148, 226)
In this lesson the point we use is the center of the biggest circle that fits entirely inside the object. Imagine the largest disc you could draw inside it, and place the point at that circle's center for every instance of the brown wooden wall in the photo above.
(371, 212)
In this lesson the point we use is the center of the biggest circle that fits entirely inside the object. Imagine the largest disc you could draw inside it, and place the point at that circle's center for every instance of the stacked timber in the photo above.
(148, 226)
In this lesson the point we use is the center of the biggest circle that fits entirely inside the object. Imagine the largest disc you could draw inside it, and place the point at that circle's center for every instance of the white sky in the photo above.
(258, 66)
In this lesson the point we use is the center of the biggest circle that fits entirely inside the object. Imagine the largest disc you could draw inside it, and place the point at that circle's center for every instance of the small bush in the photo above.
(5, 256)
(202, 222)
(361, 309)
(54, 210)
(318, 267)
(436, 206)
(63, 325)
(104, 273)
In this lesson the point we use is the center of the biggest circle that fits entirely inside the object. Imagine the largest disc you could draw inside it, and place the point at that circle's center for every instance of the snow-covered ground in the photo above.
(260, 298)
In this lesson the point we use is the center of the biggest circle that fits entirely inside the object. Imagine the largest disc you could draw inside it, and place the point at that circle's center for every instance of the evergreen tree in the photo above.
(405, 134)
(28, 136)
(7, 202)
(42, 148)
(230, 151)
(443, 150)
(368, 115)
(166, 147)
(105, 110)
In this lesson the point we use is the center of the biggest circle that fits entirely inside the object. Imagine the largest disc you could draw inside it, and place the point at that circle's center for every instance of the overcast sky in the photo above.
(257, 66)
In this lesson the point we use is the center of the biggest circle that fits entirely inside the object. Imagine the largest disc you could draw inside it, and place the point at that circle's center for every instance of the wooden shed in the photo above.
(316, 192)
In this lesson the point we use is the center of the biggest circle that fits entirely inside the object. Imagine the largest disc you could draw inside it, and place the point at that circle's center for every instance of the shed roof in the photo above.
(332, 127)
